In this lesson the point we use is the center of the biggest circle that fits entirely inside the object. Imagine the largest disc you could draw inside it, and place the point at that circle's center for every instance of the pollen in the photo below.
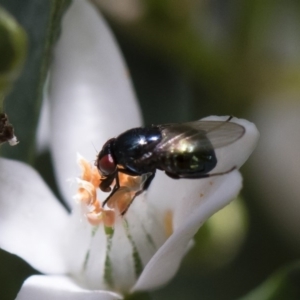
(133, 183)
(86, 195)
(121, 199)
(89, 173)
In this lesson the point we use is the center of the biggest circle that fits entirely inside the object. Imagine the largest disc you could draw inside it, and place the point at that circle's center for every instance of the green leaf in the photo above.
(41, 20)
(221, 237)
(284, 284)
(13, 41)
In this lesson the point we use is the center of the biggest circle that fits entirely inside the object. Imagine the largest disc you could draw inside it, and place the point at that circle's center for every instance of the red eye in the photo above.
(106, 165)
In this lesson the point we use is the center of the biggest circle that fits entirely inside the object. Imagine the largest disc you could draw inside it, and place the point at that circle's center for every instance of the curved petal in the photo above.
(59, 287)
(32, 221)
(164, 264)
(91, 95)
(190, 202)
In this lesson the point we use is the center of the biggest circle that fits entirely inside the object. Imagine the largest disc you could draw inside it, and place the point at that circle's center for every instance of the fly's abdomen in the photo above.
(188, 164)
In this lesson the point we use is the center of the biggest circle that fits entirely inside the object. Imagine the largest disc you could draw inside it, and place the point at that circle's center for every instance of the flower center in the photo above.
(87, 194)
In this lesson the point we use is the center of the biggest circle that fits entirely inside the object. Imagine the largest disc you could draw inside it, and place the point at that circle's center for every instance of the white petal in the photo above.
(122, 260)
(106, 263)
(91, 248)
(91, 93)
(181, 197)
(146, 228)
(88, 253)
(101, 262)
(59, 287)
(32, 221)
(164, 264)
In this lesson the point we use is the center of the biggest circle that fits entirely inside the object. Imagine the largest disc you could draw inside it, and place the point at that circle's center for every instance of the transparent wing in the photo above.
(198, 135)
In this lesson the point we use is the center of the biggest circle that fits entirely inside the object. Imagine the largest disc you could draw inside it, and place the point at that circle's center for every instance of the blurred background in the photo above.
(190, 59)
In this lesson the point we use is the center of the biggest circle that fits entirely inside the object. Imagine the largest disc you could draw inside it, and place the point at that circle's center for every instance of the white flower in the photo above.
(91, 100)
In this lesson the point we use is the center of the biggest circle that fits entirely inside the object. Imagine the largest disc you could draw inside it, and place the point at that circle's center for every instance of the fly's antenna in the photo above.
(97, 152)
(94, 148)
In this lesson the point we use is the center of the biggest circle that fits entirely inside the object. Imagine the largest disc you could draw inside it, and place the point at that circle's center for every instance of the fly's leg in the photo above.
(198, 176)
(228, 120)
(217, 174)
(116, 187)
(131, 201)
(145, 187)
(172, 175)
(148, 181)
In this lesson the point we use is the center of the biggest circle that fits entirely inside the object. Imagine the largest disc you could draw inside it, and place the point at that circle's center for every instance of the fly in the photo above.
(181, 150)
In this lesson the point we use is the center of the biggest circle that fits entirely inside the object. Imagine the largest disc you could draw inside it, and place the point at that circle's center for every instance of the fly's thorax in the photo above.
(134, 148)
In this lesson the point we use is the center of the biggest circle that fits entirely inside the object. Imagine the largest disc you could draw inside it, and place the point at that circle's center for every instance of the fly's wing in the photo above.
(197, 136)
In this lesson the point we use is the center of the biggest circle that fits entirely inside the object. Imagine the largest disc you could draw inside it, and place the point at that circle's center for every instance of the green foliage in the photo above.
(13, 49)
(41, 21)
(220, 239)
(284, 284)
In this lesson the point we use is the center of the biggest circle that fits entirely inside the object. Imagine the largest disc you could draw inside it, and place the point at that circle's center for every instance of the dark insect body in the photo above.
(182, 150)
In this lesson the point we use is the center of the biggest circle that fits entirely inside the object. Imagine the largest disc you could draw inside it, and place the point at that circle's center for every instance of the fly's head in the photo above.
(106, 165)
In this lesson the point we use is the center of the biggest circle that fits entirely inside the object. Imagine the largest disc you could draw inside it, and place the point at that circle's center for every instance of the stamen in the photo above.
(117, 204)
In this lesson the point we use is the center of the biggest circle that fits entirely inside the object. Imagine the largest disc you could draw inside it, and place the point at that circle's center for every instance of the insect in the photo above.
(181, 150)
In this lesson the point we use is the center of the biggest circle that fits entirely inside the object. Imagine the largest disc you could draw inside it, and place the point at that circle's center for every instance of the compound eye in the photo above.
(106, 165)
